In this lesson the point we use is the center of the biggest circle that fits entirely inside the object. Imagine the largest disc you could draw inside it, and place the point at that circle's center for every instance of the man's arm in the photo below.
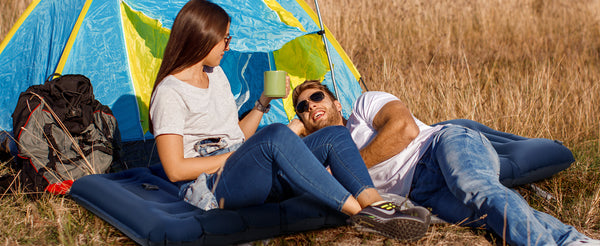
(395, 128)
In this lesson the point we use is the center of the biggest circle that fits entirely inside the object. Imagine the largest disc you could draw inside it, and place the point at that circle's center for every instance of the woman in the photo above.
(201, 142)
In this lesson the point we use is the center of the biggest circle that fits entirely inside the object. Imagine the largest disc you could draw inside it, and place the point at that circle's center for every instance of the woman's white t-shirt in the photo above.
(196, 113)
(395, 174)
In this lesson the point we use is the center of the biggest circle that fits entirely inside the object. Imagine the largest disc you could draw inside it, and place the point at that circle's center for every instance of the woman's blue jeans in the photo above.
(275, 162)
(458, 178)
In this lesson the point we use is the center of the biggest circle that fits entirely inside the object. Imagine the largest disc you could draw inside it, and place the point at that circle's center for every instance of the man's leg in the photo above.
(561, 232)
(334, 148)
(466, 164)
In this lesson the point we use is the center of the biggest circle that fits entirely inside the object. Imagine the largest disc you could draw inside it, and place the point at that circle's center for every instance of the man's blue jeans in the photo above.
(458, 177)
(276, 160)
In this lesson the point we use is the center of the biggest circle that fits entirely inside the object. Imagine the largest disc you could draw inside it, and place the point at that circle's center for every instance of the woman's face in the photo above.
(216, 54)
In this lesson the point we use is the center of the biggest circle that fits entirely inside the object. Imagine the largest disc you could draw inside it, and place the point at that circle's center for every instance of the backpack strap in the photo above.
(106, 132)
(53, 77)
(52, 155)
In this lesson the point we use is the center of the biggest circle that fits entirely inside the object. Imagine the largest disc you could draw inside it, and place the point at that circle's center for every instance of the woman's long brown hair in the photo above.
(198, 27)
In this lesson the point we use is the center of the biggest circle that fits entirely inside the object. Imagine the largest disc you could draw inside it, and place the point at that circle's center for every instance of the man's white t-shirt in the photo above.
(196, 113)
(395, 174)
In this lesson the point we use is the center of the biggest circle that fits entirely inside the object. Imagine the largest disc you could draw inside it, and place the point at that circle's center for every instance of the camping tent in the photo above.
(118, 44)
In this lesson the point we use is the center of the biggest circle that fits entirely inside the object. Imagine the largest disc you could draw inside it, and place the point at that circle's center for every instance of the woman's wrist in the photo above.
(262, 107)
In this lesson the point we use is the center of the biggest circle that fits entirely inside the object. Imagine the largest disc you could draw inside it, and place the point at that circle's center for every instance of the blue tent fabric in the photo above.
(100, 52)
(522, 160)
(144, 205)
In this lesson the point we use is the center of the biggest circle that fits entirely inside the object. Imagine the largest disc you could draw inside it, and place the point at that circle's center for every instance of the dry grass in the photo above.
(11, 10)
(529, 67)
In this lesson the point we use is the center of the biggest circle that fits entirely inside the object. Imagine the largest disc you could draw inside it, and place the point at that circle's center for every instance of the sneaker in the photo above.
(388, 220)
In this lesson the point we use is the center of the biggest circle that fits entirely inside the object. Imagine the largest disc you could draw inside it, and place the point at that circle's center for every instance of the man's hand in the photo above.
(297, 127)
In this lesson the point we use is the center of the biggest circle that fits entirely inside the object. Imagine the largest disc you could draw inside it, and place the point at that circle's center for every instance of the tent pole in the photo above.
(322, 33)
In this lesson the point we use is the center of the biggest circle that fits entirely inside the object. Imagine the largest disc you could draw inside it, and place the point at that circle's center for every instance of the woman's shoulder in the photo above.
(170, 86)
(169, 81)
(172, 83)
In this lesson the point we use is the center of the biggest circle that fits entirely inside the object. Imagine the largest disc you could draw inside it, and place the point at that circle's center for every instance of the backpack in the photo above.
(63, 133)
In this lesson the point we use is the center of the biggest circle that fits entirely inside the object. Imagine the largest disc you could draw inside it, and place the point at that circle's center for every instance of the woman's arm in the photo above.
(178, 168)
(250, 122)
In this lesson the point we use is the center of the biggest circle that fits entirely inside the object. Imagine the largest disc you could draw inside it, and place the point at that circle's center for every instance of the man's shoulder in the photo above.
(369, 103)
(375, 95)
(367, 99)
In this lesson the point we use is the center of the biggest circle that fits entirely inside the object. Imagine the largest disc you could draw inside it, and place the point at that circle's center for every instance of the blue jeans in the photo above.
(458, 177)
(275, 162)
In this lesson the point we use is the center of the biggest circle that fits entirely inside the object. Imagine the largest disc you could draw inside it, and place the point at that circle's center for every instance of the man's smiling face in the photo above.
(319, 114)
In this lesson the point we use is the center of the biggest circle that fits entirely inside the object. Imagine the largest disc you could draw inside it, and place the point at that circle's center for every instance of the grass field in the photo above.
(529, 67)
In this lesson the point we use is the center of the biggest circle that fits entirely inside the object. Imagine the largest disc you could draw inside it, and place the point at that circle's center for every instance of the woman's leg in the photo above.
(276, 153)
(333, 146)
(272, 154)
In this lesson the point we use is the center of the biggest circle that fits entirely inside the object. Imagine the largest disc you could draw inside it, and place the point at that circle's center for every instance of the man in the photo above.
(451, 169)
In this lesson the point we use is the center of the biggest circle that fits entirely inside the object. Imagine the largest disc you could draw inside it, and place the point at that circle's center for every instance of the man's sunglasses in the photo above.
(302, 107)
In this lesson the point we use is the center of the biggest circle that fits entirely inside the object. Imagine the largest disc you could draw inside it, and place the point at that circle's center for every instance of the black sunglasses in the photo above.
(302, 107)
(227, 41)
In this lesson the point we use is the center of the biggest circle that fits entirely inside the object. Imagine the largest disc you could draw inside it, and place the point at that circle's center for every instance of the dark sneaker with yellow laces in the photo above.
(388, 220)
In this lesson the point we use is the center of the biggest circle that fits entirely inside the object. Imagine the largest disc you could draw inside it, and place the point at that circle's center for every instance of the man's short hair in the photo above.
(310, 84)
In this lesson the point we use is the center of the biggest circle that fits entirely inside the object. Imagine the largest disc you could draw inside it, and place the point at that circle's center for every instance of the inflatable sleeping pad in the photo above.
(144, 205)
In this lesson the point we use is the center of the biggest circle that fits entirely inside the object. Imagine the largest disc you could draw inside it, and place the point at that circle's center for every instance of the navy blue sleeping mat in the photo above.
(144, 205)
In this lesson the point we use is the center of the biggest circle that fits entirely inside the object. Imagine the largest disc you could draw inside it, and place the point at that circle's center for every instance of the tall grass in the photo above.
(529, 67)
(11, 10)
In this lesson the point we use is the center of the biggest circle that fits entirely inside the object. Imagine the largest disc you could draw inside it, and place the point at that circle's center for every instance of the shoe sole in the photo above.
(403, 229)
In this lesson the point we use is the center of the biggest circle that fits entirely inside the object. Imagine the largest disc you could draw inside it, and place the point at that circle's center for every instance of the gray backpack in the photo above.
(63, 133)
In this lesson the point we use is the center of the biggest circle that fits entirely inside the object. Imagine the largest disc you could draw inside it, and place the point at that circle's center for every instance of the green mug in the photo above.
(275, 83)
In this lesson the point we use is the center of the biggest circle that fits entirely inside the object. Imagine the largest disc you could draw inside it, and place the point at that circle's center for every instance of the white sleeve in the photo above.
(167, 112)
(369, 103)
